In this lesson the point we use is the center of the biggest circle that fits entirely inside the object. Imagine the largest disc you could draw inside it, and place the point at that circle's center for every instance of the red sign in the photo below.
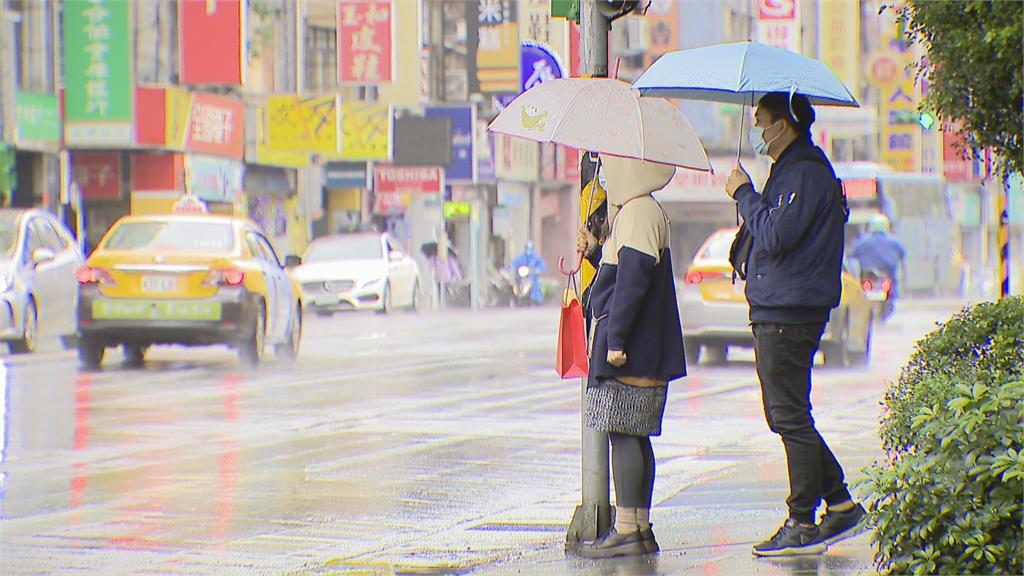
(860, 188)
(151, 117)
(388, 202)
(955, 167)
(216, 125)
(157, 172)
(776, 9)
(211, 41)
(97, 174)
(365, 41)
(388, 179)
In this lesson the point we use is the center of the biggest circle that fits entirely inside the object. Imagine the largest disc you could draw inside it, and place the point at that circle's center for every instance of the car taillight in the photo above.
(867, 285)
(693, 277)
(224, 277)
(90, 275)
(887, 285)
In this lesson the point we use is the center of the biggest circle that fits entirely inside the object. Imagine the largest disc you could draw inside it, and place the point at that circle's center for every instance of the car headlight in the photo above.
(6, 282)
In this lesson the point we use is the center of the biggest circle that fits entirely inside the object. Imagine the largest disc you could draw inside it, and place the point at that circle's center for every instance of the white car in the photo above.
(38, 289)
(357, 272)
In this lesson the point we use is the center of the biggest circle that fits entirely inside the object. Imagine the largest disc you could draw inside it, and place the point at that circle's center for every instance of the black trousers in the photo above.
(784, 355)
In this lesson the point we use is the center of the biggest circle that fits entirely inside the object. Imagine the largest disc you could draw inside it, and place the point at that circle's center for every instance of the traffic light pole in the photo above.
(593, 517)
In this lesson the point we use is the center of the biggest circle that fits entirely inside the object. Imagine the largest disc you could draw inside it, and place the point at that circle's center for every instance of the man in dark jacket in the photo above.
(793, 282)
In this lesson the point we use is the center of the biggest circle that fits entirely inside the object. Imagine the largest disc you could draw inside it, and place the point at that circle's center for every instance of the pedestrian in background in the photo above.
(793, 282)
(636, 346)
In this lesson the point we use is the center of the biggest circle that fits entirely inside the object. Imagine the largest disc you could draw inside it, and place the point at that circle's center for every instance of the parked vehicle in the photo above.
(193, 280)
(38, 292)
(357, 272)
(715, 314)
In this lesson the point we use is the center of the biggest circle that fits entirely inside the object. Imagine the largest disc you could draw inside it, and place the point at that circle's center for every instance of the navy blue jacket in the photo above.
(795, 265)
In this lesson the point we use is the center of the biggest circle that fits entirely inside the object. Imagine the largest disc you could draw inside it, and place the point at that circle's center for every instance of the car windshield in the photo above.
(345, 248)
(183, 236)
(718, 248)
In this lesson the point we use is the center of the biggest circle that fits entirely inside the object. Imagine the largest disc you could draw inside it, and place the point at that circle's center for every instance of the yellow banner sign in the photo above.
(178, 108)
(296, 124)
(366, 131)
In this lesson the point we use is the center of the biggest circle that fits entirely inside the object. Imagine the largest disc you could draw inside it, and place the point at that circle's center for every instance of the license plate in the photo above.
(155, 310)
(875, 296)
(326, 299)
(159, 284)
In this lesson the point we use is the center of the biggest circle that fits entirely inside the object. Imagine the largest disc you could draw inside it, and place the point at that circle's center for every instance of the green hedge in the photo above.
(948, 498)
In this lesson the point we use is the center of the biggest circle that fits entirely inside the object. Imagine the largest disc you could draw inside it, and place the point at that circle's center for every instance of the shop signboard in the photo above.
(497, 53)
(345, 175)
(211, 46)
(299, 124)
(216, 126)
(97, 174)
(38, 118)
(366, 45)
(778, 24)
(463, 166)
(366, 129)
(388, 178)
(214, 179)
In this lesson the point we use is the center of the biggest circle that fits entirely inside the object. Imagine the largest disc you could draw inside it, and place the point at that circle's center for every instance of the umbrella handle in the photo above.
(579, 264)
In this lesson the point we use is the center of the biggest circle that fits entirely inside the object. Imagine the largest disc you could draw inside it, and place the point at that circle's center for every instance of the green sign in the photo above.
(453, 210)
(569, 9)
(38, 117)
(8, 174)
(98, 87)
(155, 310)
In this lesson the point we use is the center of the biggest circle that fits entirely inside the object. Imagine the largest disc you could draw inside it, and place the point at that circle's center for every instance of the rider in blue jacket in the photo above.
(532, 260)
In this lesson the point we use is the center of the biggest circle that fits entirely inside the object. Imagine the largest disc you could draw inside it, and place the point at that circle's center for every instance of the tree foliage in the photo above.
(975, 69)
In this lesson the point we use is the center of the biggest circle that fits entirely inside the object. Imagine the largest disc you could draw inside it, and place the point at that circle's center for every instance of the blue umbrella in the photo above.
(740, 73)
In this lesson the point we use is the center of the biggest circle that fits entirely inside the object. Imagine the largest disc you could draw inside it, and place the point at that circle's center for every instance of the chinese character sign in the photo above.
(216, 125)
(662, 29)
(778, 24)
(97, 174)
(365, 42)
(308, 125)
(497, 53)
(98, 71)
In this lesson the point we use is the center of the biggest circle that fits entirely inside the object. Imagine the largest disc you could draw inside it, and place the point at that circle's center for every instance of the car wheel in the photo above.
(134, 356)
(27, 343)
(837, 353)
(717, 353)
(385, 304)
(692, 350)
(862, 358)
(290, 349)
(250, 350)
(90, 353)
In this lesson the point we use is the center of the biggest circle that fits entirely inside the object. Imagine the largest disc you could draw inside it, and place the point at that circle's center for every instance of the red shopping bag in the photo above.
(571, 361)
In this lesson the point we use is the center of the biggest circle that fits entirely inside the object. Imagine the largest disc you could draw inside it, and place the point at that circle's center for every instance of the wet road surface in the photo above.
(429, 443)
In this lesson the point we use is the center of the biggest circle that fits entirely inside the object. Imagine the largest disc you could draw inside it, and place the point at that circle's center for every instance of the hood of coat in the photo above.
(628, 178)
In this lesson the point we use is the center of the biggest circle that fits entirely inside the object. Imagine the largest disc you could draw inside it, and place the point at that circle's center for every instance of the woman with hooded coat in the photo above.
(636, 345)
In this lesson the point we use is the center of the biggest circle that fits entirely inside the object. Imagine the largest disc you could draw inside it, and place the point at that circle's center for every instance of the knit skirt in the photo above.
(613, 406)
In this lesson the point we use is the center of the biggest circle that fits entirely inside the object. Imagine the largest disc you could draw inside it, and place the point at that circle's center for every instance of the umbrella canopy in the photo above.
(740, 73)
(605, 116)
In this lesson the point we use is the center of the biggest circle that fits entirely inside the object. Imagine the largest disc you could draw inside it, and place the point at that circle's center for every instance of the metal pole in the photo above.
(593, 517)
(1003, 203)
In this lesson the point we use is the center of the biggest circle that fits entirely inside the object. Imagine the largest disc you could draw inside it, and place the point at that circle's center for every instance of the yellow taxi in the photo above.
(188, 279)
(715, 314)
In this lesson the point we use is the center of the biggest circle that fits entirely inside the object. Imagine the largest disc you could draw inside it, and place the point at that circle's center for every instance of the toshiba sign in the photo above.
(417, 179)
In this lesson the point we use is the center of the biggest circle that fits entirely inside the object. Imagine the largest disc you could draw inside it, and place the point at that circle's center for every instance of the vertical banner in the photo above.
(463, 167)
(211, 41)
(365, 42)
(98, 84)
(891, 71)
(662, 28)
(778, 23)
(366, 129)
(839, 40)
(497, 53)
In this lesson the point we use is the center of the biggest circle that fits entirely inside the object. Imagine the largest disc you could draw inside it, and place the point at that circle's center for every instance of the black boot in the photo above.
(613, 544)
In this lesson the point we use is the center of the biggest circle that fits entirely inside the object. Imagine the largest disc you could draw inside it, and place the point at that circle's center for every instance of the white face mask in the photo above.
(756, 138)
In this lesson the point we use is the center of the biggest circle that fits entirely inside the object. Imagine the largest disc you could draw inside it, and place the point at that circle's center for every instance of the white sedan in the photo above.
(38, 290)
(357, 272)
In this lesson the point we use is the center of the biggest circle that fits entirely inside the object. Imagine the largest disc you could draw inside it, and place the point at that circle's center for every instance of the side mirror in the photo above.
(42, 256)
(291, 261)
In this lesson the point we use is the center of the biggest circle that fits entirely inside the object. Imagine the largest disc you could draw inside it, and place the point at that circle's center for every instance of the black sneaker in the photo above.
(791, 540)
(613, 544)
(838, 526)
(649, 542)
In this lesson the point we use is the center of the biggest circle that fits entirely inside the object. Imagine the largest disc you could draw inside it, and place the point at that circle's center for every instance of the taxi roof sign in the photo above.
(189, 205)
